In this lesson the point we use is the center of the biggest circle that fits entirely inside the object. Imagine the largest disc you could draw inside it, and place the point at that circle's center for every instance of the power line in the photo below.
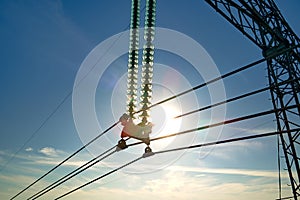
(248, 66)
(153, 105)
(179, 149)
(227, 141)
(162, 137)
(56, 109)
(59, 105)
(235, 98)
(52, 186)
(100, 177)
(224, 102)
(62, 162)
(62, 102)
(246, 117)
(207, 83)
(60, 181)
(57, 183)
(73, 173)
(36, 131)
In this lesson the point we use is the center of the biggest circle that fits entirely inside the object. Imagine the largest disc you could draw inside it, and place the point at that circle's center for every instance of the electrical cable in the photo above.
(223, 102)
(36, 131)
(72, 173)
(75, 174)
(160, 102)
(42, 125)
(59, 105)
(220, 123)
(228, 140)
(207, 107)
(202, 85)
(100, 177)
(199, 128)
(235, 98)
(185, 92)
(188, 131)
(198, 110)
(153, 105)
(248, 66)
(66, 159)
(207, 83)
(179, 149)
(53, 112)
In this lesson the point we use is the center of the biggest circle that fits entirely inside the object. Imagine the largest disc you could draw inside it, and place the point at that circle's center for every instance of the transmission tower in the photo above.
(262, 23)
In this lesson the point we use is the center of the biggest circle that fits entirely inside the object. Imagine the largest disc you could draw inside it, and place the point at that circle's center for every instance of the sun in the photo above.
(165, 123)
(171, 124)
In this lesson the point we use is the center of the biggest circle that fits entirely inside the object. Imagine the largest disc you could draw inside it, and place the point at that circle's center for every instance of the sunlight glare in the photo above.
(165, 124)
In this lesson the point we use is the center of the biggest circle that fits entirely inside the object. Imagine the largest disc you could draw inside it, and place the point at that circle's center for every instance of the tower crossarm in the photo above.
(259, 20)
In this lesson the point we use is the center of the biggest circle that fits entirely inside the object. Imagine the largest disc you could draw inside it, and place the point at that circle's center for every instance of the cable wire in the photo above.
(153, 105)
(224, 122)
(246, 117)
(175, 134)
(235, 98)
(185, 92)
(100, 177)
(160, 102)
(223, 102)
(179, 149)
(73, 173)
(207, 83)
(248, 66)
(61, 103)
(36, 131)
(53, 185)
(55, 110)
(228, 140)
(66, 159)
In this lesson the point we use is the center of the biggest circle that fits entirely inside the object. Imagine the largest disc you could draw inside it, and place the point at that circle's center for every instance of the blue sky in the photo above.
(43, 46)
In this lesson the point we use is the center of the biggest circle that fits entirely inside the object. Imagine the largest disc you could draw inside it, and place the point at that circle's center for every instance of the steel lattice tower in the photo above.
(262, 23)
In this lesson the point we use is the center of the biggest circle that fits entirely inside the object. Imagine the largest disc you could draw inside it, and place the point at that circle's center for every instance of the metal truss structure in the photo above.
(262, 23)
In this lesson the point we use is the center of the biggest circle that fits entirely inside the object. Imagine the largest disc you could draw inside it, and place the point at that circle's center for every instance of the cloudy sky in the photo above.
(48, 46)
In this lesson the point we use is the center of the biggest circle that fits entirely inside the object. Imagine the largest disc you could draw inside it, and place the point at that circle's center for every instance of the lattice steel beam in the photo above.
(262, 23)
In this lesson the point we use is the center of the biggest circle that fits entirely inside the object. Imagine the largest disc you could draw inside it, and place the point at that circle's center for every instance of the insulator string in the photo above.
(147, 63)
(133, 59)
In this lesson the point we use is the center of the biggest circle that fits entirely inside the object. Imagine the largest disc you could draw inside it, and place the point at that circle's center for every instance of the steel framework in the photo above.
(262, 23)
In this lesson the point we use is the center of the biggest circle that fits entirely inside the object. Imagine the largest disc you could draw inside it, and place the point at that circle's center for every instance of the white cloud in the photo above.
(180, 186)
(175, 182)
(29, 149)
(225, 171)
(55, 162)
(49, 151)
